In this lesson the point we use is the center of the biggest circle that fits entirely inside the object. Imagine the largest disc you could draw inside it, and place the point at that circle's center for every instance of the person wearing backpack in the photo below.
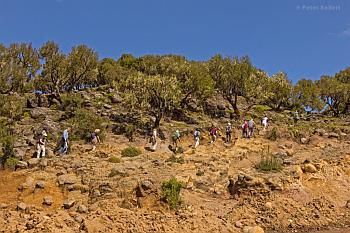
(245, 129)
(153, 139)
(40, 145)
(228, 132)
(264, 122)
(196, 135)
(251, 126)
(176, 138)
(64, 141)
(95, 138)
(213, 133)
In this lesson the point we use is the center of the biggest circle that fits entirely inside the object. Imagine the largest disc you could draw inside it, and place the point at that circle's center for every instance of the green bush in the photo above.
(175, 159)
(273, 134)
(84, 123)
(7, 158)
(131, 152)
(114, 159)
(71, 102)
(262, 108)
(11, 106)
(171, 192)
(269, 162)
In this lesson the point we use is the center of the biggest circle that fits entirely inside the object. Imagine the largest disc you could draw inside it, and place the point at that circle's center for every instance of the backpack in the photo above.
(213, 131)
(245, 125)
(196, 134)
(228, 129)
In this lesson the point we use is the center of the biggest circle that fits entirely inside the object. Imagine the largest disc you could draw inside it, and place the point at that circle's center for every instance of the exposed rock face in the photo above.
(48, 200)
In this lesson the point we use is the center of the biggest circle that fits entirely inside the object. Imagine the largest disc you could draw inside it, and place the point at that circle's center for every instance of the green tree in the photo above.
(280, 89)
(155, 94)
(52, 76)
(196, 82)
(19, 65)
(233, 78)
(344, 78)
(81, 70)
(307, 94)
(110, 71)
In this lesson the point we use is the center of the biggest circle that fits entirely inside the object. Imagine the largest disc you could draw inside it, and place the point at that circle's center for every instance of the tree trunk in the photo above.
(233, 103)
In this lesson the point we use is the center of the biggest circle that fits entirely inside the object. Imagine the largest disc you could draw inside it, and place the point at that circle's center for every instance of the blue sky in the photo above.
(303, 38)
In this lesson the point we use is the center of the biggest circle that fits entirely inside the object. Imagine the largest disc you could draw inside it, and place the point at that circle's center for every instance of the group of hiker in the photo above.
(62, 147)
(247, 127)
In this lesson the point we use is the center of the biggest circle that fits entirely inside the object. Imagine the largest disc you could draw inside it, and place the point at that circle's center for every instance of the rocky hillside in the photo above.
(225, 187)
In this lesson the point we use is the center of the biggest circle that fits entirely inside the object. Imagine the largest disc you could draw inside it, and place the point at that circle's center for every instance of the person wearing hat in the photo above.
(95, 138)
(196, 135)
(40, 145)
(228, 132)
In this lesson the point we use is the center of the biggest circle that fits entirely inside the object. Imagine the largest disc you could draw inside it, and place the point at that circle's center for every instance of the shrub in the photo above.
(171, 192)
(269, 162)
(175, 159)
(114, 159)
(7, 158)
(11, 106)
(273, 134)
(131, 152)
(262, 108)
(84, 123)
(71, 102)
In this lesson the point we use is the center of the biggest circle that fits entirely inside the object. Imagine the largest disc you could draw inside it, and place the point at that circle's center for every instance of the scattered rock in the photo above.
(147, 185)
(255, 229)
(37, 113)
(107, 106)
(21, 206)
(116, 99)
(40, 185)
(33, 162)
(68, 203)
(21, 165)
(3, 206)
(304, 140)
(67, 179)
(320, 132)
(309, 168)
(82, 209)
(238, 224)
(48, 200)
(268, 205)
(348, 204)
(333, 135)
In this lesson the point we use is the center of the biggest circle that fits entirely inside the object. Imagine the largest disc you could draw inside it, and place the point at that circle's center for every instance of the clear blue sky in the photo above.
(305, 38)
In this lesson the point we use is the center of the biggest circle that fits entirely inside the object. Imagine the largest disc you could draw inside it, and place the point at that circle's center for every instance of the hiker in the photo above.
(176, 138)
(213, 133)
(153, 139)
(264, 122)
(41, 144)
(95, 138)
(196, 135)
(245, 129)
(64, 141)
(228, 132)
(296, 117)
(251, 125)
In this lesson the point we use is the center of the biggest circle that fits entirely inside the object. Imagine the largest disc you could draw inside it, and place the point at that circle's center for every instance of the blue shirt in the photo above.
(65, 135)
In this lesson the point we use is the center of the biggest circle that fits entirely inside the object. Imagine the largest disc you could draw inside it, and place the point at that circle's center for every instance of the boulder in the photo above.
(255, 229)
(107, 106)
(48, 200)
(21, 165)
(40, 184)
(320, 132)
(116, 99)
(221, 107)
(3, 206)
(147, 185)
(37, 113)
(309, 168)
(348, 204)
(82, 209)
(68, 203)
(333, 135)
(33, 162)
(304, 140)
(21, 206)
(297, 172)
(268, 205)
(67, 179)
